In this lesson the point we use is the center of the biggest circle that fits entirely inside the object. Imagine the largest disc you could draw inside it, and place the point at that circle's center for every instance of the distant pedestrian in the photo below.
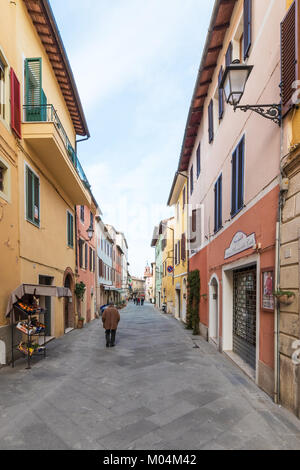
(142, 301)
(110, 319)
(138, 301)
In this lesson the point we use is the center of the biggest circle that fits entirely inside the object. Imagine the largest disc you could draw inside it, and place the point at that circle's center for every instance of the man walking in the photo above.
(110, 319)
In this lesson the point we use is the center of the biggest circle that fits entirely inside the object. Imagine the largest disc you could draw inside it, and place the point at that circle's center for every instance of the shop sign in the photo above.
(240, 242)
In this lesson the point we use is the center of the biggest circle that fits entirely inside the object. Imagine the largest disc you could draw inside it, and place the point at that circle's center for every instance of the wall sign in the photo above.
(240, 242)
(267, 288)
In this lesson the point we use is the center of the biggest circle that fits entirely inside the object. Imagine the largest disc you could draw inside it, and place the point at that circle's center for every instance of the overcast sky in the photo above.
(135, 63)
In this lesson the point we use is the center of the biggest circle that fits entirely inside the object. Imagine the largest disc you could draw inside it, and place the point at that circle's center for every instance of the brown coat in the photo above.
(110, 318)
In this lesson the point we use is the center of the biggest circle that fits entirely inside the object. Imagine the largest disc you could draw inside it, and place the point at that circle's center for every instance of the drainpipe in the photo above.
(277, 282)
(80, 140)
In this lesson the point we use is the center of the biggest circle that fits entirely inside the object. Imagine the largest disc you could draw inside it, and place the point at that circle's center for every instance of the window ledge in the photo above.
(33, 223)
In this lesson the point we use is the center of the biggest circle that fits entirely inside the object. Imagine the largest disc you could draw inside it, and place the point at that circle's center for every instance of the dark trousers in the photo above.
(110, 336)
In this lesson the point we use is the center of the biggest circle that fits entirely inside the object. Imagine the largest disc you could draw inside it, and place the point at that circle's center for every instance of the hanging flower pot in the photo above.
(285, 297)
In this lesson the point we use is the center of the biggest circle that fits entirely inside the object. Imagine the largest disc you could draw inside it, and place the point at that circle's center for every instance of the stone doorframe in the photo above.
(214, 310)
(70, 305)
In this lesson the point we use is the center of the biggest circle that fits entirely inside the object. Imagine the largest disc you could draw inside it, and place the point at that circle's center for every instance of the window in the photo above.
(198, 161)
(183, 198)
(289, 48)
(32, 197)
(35, 97)
(192, 179)
(70, 229)
(81, 244)
(211, 122)
(218, 204)
(247, 27)
(183, 247)
(91, 259)
(2, 89)
(2, 171)
(82, 213)
(221, 95)
(91, 220)
(4, 180)
(178, 252)
(237, 198)
(15, 104)
(85, 256)
(228, 55)
(194, 221)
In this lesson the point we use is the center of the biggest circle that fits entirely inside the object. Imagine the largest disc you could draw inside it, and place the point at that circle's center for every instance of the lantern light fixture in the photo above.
(234, 83)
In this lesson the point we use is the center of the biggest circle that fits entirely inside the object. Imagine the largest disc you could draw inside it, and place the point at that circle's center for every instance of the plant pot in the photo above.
(80, 324)
(285, 299)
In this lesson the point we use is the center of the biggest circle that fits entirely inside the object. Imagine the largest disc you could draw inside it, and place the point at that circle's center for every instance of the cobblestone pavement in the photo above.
(153, 391)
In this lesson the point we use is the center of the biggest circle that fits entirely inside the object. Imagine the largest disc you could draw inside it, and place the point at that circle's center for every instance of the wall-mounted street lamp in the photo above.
(234, 82)
(90, 232)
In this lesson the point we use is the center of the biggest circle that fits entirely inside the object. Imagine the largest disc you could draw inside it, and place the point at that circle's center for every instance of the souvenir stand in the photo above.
(29, 319)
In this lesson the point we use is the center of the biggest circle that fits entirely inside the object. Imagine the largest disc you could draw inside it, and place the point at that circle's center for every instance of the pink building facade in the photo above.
(232, 162)
(86, 261)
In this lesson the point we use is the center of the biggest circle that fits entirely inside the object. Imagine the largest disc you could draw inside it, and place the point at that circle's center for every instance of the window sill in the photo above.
(33, 223)
(237, 212)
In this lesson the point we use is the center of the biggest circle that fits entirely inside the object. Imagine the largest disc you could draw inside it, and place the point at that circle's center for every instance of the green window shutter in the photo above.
(33, 89)
(32, 197)
(29, 194)
(44, 107)
(70, 230)
(36, 207)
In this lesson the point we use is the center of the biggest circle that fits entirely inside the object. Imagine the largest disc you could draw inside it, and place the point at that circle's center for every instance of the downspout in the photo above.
(277, 281)
(80, 140)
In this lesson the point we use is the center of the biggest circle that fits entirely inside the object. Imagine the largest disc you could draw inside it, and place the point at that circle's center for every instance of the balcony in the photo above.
(44, 132)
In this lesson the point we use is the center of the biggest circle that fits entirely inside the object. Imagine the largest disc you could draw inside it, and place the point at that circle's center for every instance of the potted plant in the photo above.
(80, 323)
(80, 289)
(284, 297)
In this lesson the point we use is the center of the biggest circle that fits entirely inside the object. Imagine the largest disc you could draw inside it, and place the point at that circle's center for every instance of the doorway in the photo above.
(46, 303)
(178, 303)
(68, 323)
(214, 311)
(244, 314)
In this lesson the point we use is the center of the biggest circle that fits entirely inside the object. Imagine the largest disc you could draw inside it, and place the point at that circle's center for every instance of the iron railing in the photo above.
(47, 113)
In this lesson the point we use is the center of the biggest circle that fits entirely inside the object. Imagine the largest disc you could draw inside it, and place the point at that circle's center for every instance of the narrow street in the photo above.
(153, 391)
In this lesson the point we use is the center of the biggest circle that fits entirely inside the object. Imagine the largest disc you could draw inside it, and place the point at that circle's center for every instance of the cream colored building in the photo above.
(41, 179)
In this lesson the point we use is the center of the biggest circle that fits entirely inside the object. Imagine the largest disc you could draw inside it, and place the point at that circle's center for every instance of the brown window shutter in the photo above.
(183, 250)
(289, 68)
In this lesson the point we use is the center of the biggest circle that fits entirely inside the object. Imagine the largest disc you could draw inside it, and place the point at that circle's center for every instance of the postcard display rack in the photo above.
(30, 321)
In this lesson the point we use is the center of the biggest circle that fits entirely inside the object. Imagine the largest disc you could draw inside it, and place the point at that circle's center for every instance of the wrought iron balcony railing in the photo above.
(47, 113)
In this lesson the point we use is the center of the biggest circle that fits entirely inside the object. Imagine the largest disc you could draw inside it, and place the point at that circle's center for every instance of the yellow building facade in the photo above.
(179, 200)
(167, 285)
(41, 180)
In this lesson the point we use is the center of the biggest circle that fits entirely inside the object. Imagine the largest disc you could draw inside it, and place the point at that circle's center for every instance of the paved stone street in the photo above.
(153, 391)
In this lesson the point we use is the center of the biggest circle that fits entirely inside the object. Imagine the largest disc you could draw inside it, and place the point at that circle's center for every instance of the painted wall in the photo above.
(167, 286)
(261, 176)
(28, 250)
(87, 274)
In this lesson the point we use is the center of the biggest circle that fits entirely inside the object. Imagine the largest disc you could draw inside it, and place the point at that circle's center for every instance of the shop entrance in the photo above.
(46, 302)
(68, 321)
(178, 303)
(214, 311)
(244, 314)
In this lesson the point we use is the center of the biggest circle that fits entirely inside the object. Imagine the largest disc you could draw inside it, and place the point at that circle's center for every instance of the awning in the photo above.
(32, 289)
